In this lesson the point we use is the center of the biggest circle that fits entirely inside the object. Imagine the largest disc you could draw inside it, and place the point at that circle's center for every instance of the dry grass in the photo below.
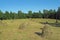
(11, 31)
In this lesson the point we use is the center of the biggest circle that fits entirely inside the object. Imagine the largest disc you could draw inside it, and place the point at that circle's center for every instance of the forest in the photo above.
(51, 14)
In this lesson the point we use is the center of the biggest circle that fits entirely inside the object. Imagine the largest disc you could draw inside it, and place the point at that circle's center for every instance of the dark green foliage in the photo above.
(11, 15)
(37, 15)
(7, 15)
(1, 14)
(29, 15)
(21, 15)
(45, 13)
(53, 14)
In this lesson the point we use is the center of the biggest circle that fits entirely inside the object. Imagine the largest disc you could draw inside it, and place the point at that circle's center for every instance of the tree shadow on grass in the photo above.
(52, 24)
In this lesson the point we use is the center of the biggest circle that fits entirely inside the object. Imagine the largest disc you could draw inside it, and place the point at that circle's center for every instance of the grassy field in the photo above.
(24, 29)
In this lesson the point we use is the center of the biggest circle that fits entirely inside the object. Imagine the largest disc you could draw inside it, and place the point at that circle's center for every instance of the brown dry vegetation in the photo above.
(10, 29)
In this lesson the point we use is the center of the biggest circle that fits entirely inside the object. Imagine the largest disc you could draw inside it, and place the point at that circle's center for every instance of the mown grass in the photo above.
(10, 29)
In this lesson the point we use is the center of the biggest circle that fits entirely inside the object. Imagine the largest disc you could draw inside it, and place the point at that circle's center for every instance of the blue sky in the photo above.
(26, 5)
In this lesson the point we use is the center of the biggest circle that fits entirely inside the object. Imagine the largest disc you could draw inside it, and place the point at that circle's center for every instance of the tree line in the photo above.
(53, 14)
